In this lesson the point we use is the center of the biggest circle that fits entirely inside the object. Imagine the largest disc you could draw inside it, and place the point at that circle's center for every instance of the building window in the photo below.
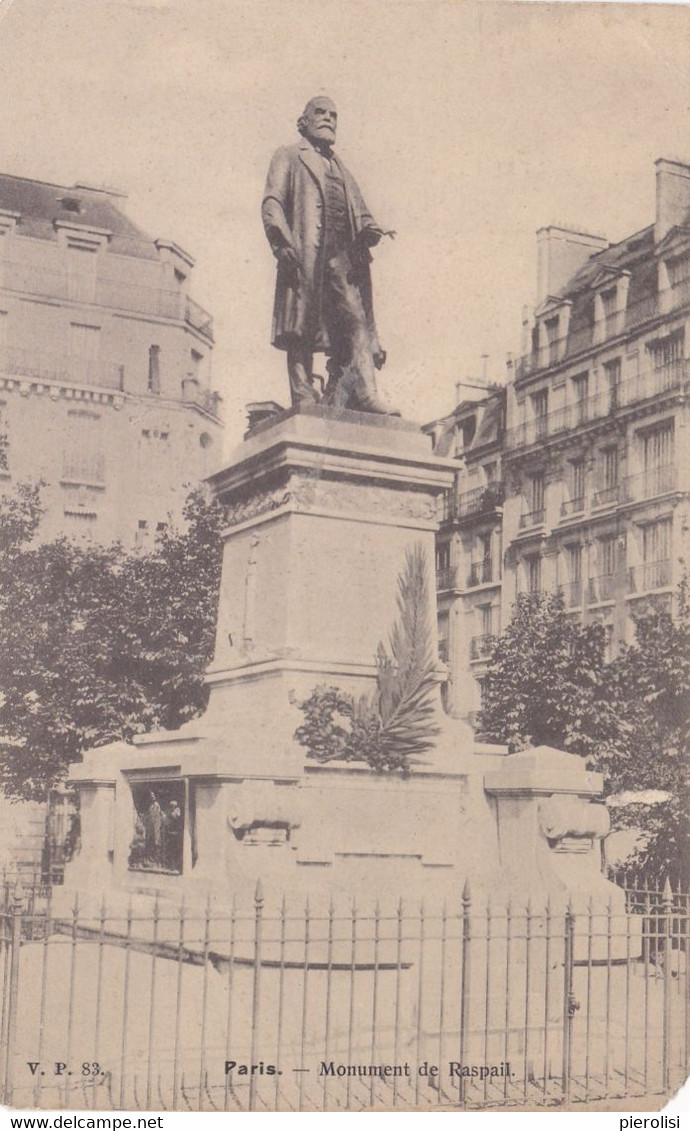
(196, 360)
(442, 557)
(551, 325)
(535, 514)
(657, 448)
(665, 353)
(656, 556)
(609, 304)
(533, 573)
(580, 389)
(608, 489)
(154, 378)
(577, 485)
(540, 409)
(612, 376)
(84, 348)
(678, 270)
(573, 594)
(142, 535)
(81, 274)
(83, 459)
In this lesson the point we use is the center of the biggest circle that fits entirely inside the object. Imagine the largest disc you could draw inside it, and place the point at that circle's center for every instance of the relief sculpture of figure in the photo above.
(320, 231)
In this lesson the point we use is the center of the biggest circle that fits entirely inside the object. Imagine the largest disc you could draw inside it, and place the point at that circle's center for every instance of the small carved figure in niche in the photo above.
(153, 831)
(172, 837)
(320, 231)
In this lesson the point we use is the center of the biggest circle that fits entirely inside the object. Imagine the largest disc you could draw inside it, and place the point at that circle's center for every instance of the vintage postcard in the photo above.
(344, 605)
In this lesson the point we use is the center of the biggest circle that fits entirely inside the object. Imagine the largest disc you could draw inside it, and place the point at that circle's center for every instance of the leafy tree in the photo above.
(650, 681)
(98, 644)
(544, 682)
(548, 683)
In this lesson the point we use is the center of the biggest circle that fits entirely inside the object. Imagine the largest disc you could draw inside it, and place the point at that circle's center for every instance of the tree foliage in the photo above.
(545, 681)
(392, 728)
(548, 683)
(98, 644)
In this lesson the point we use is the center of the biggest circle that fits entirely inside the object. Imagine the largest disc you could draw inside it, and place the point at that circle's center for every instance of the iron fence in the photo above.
(304, 1006)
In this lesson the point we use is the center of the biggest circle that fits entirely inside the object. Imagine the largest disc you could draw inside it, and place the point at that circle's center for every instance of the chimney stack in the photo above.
(560, 253)
(672, 196)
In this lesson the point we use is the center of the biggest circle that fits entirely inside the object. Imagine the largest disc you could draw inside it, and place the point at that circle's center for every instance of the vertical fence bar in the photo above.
(256, 987)
(44, 994)
(125, 1004)
(442, 997)
(398, 964)
(305, 1002)
(178, 1005)
(547, 988)
(204, 1002)
(152, 1004)
(420, 998)
(528, 940)
(6, 966)
(16, 907)
(281, 992)
(70, 998)
(329, 972)
(588, 1019)
(609, 957)
(351, 1014)
(465, 975)
(628, 991)
(568, 999)
(487, 992)
(667, 913)
(374, 1000)
(506, 1008)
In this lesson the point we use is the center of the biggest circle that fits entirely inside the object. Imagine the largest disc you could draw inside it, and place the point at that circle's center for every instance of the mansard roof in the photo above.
(41, 204)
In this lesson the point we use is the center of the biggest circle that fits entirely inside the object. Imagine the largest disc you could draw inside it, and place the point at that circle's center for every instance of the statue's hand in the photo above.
(371, 236)
(289, 260)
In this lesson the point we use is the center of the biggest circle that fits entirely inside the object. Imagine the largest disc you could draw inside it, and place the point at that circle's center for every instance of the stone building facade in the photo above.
(591, 460)
(105, 378)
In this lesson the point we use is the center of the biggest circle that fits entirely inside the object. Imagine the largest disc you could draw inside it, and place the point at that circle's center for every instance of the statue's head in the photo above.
(318, 121)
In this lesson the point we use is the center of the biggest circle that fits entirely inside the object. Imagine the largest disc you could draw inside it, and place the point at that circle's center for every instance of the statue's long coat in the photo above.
(293, 214)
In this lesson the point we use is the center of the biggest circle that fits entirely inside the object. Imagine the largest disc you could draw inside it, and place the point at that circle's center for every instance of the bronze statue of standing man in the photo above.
(321, 231)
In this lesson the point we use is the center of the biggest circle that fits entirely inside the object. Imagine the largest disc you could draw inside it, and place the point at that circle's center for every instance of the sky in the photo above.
(468, 125)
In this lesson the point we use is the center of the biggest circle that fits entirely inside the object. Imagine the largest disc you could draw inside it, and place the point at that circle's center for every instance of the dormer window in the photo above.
(70, 204)
(678, 270)
(551, 325)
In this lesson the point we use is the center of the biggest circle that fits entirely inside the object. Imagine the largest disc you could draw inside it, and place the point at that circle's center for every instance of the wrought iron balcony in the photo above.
(649, 576)
(573, 506)
(532, 518)
(601, 588)
(606, 495)
(122, 294)
(446, 579)
(631, 391)
(649, 484)
(44, 366)
(481, 573)
(481, 647)
(480, 500)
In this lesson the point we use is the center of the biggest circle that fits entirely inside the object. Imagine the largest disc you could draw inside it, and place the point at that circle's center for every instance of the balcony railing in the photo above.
(446, 579)
(206, 399)
(649, 484)
(481, 647)
(573, 506)
(41, 365)
(532, 518)
(480, 500)
(605, 496)
(481, 573)
(103, 291)
(620, 322)
(651, 383)
(601, 588)
(650, 575)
